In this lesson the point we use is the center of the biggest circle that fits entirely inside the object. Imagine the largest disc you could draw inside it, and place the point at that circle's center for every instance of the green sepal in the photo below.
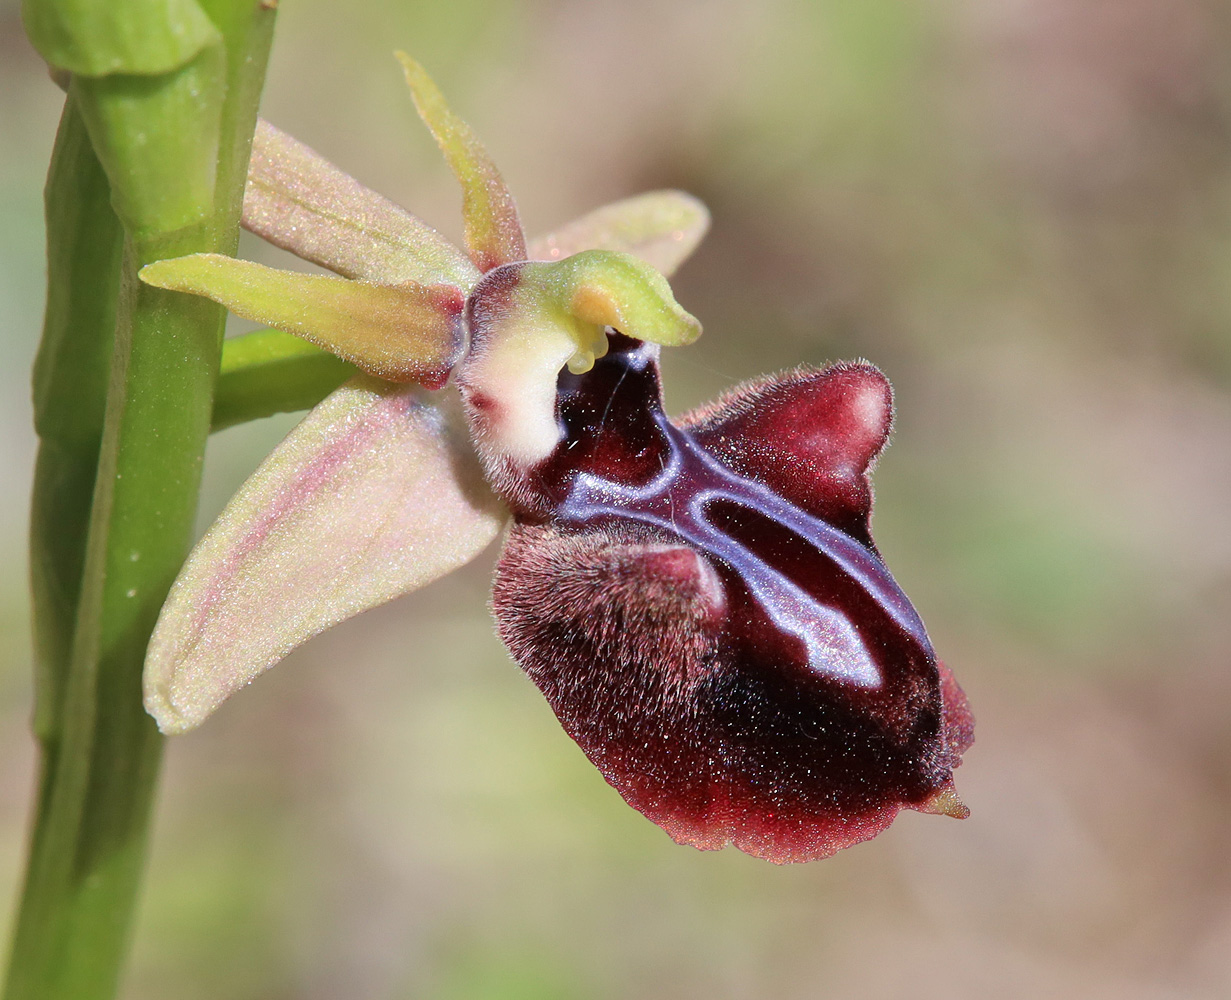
(373, 495)
(402, 333)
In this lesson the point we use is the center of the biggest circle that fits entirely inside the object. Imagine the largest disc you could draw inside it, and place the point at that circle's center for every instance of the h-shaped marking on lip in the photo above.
(833, 644)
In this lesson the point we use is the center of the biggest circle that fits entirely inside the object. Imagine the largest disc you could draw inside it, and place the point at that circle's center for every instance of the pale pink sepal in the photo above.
(660, 227)
(298, 200)
(370, 497)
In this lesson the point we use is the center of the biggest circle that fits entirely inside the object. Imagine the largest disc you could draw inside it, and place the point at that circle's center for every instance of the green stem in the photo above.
(268, 372)
(101, 752)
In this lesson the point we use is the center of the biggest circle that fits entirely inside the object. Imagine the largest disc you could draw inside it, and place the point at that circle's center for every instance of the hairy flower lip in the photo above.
(681, 652)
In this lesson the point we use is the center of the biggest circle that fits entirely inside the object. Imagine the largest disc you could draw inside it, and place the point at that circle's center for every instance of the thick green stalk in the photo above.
(150, 131)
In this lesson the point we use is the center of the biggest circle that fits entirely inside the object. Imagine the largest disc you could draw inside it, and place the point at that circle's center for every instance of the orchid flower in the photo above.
(699, 599)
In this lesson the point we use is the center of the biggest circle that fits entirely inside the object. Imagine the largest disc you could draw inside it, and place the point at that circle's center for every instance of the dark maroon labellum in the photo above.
(703, 607)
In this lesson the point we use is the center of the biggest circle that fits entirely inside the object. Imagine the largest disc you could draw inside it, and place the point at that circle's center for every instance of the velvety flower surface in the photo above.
(700, 600)
(702, 604)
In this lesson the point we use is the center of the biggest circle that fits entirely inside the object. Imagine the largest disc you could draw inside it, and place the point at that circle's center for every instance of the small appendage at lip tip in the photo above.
(946, 803)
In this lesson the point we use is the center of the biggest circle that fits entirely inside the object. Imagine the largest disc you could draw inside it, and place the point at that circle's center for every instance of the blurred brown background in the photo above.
(1020, 210)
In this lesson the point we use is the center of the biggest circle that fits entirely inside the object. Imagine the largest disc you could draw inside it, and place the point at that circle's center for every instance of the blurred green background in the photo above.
(1022, 212)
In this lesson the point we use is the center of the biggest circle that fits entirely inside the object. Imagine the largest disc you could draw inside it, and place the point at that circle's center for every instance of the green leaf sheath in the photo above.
(270, 372)
(101, 750)
(135, 36)
(84, 243)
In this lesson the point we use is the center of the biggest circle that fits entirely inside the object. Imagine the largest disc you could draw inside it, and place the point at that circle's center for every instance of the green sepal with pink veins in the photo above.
(371, 497)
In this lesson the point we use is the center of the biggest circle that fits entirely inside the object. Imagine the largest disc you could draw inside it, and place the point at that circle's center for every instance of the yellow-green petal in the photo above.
(403, 333)
(661, 227)
(492, 228)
